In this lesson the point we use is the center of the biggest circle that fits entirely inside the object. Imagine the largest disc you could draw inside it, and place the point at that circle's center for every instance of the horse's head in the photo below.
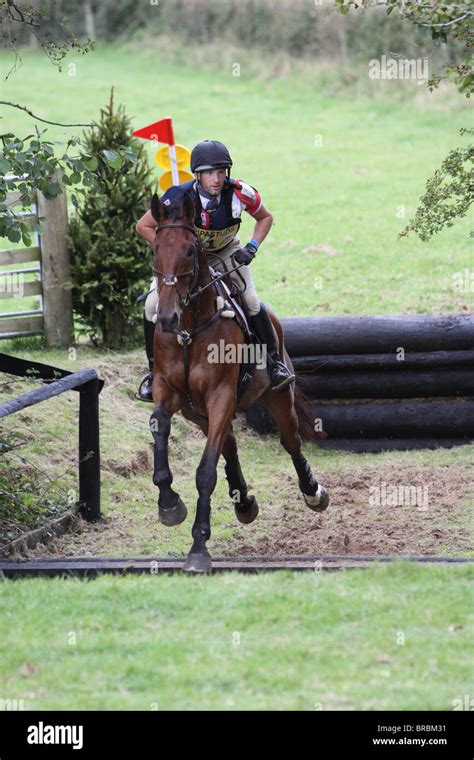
(176, 258)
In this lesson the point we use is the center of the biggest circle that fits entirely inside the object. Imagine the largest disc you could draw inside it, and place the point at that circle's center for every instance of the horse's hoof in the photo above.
(248, 516)
(198, 563)
(319, 502)
(173, 515)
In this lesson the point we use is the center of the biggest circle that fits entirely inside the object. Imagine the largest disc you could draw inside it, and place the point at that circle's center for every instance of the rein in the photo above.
(185, 337)
(172, 279)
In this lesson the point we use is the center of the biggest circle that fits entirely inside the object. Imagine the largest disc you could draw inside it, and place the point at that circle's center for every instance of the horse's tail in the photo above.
(306, 419)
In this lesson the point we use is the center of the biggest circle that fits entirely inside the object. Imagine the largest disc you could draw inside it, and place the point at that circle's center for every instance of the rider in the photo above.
(219, 202)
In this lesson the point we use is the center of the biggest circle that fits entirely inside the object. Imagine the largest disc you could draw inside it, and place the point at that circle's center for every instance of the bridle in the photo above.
(185, 337)
(172, 279)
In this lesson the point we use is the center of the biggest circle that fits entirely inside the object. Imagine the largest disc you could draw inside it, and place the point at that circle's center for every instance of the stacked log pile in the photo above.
(384, 377)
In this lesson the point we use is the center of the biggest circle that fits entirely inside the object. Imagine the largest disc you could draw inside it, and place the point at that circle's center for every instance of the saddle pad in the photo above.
(246, 369)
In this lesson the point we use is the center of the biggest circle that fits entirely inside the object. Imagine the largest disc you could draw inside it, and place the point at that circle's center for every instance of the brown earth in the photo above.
(286, 527)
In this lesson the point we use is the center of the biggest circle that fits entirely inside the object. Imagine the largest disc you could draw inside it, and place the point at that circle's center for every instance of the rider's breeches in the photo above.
(222, 261)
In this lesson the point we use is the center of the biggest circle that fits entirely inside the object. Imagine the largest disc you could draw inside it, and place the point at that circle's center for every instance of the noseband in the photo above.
(172, 279)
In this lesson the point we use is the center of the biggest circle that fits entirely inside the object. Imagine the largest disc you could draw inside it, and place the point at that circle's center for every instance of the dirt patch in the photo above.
(95, 540)
(364, 517)
(140, 463)
(429, 521)
(439, 523)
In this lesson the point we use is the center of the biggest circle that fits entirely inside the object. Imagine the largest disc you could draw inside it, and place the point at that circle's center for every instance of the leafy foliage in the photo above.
(28, 165)
(55, 38)
(27, 496)
(111, 265)
(449, 194)
(450, 191)
(442, 20)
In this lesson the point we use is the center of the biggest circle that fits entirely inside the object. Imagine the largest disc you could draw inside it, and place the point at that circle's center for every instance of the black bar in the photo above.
(93, 566)
(89, 451)
(346, 733)
(398, 418)
(390, 419)
(380, 383)
(70, 382)
(12, 365)
(376, 445)
(365, 335)
(419, 359)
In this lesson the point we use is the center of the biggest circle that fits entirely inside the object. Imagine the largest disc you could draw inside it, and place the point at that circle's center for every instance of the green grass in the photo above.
(328, 640)
(385, 638)
(377, 152)
(380, 141)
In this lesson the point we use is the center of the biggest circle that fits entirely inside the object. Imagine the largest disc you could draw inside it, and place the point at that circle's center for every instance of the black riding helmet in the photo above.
(210, 154)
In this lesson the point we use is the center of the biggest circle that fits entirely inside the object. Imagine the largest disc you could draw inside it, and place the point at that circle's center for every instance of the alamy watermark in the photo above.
(49, 734)
(240, 353)
(463, 282)
(13, 283)
(391, 495)
(399, 68)
(9, 705)
(463, 703)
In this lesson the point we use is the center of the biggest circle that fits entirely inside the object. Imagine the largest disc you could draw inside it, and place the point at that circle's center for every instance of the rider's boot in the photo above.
(144, 391)
(279, 374)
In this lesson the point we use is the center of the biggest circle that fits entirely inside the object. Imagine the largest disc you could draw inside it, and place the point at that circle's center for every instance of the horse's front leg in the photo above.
(171, 509)
(220, 408)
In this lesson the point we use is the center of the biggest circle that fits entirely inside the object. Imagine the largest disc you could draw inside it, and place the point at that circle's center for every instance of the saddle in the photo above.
(231, 295)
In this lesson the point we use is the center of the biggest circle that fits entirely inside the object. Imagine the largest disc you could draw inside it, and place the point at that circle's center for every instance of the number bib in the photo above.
(215, 240)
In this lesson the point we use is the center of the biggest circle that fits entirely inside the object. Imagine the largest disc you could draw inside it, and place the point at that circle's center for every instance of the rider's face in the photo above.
(212, 180)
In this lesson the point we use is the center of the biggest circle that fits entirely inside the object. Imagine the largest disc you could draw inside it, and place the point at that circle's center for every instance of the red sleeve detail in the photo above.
(252, 204)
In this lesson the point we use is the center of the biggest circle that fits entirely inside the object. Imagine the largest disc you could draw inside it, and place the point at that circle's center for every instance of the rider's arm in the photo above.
(264, 221)
(146, 227)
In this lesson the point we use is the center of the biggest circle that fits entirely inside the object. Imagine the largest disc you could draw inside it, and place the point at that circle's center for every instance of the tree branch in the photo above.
(448, 23)
(56, 123)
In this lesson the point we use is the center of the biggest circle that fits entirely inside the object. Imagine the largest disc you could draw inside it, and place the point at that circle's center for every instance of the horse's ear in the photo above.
(157, 210)
(188, 207)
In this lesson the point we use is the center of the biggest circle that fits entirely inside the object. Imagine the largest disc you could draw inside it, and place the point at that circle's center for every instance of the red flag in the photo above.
(160, 131)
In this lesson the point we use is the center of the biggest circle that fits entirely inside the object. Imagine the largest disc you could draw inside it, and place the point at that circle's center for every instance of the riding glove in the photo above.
(246, 254)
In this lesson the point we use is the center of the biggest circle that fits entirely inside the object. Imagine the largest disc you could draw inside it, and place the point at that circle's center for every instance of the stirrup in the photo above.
(144, 392)
(286, 381)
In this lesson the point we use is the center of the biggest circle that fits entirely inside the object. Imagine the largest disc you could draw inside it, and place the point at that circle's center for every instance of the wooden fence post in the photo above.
(56, 270)
(89, 451)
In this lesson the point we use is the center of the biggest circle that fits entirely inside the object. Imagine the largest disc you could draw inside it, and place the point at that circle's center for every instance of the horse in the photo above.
(188, 323)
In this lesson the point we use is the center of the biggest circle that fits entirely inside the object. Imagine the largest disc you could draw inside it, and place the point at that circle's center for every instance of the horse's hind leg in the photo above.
(282, 409)
(171, 509)
(245, 506)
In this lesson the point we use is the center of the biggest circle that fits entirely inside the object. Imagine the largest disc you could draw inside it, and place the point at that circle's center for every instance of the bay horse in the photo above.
(188, 323)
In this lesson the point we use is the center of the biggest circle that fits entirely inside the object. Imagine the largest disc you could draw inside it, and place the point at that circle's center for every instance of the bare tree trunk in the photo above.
(342, 38)
(89, 20)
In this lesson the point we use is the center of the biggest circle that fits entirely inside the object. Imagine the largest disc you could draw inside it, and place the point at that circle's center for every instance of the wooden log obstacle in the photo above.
(379, 377)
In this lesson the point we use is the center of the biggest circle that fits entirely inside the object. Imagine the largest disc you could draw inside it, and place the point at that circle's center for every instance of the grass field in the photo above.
(309, 641)
(378, 639)
(345, 196)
